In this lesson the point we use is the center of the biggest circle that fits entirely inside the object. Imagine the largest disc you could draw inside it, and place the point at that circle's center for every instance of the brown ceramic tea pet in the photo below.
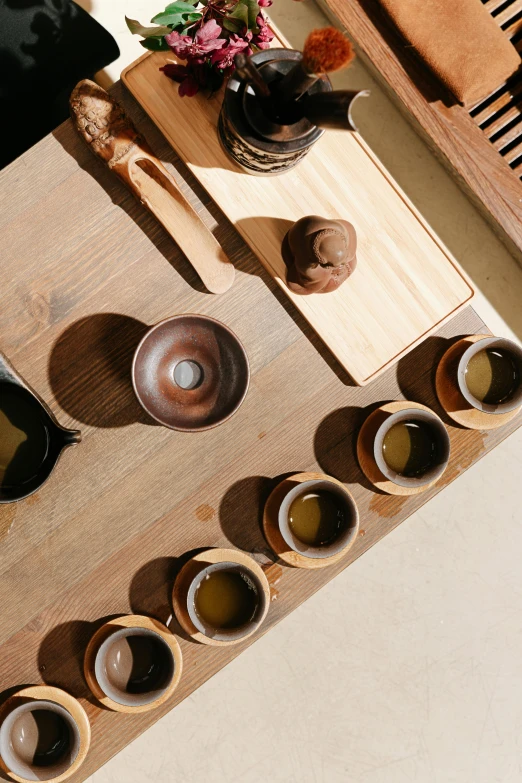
(319, 254)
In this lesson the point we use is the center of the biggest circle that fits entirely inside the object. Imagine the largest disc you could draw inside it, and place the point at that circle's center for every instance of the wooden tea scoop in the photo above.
(110, 134)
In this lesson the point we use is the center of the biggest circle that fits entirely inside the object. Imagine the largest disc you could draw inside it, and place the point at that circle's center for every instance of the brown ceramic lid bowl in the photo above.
(190, 373)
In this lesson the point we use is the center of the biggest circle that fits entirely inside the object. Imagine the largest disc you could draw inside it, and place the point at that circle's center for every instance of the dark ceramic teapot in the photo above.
(31, 440)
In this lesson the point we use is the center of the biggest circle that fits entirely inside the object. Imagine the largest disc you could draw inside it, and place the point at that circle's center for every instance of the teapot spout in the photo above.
(71, 437)
(332, 109)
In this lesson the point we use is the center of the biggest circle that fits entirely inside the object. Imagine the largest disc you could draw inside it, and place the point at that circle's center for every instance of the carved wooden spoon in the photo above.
(110, 134)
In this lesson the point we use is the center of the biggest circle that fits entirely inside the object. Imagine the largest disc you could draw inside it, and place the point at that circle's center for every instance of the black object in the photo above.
(247, 71)
(262, 135)
(332, 109)
(46, 47)
(42, 439)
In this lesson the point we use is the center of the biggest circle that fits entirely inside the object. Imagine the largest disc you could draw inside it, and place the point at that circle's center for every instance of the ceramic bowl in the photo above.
(347, 534)
(229, 634)
(490, 342)
(134, 666)
(190, 373)
(39, 740)
(441, 437)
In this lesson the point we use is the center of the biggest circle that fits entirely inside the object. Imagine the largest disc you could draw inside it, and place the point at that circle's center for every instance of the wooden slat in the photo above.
(504, 97)
(492, 5)
(508, 137)
(509, 12)
(514, 28)
(517, 167)
(504, 119)
(513, 153)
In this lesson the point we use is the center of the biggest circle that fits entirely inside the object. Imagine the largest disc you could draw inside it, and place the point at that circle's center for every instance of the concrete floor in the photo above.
(407, 666)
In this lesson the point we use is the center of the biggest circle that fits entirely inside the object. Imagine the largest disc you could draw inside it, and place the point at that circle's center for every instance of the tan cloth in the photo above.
(460, 41)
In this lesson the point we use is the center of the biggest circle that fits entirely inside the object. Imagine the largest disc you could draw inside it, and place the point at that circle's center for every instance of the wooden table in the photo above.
(85, 270)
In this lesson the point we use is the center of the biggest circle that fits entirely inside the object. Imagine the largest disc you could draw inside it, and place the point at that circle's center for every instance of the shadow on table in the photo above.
(150, 591)
(421, 389)
(60, 657)
(335, 444)
(151, 588)
(61, 654)
(425, 357)
(90, 370)
(241, 511)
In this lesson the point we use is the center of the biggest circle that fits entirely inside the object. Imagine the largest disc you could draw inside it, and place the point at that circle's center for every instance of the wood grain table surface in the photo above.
(85, 271)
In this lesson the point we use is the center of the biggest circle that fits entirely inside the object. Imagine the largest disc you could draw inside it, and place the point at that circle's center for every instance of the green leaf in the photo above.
(147, 32)
(240, 13)
(191, 18)
(175, 20)
(174, 13)
(246, 12)
(253, 11)
(155, 44)
(182, 20)
(232, 25)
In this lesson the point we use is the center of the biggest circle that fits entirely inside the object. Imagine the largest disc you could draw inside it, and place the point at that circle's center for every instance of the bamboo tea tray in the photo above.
(406, 284)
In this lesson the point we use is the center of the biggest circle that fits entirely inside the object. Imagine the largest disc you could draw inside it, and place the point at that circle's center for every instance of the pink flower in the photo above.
(224, 57)
(264, 36)
(206, 40)
(264, 3)
(190, 77)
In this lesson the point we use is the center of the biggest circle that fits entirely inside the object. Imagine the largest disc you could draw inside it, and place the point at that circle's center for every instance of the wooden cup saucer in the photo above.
(451, 398)
(188, 573)
(69, 703)
(273, 535)
(130, 621)
(365, 454)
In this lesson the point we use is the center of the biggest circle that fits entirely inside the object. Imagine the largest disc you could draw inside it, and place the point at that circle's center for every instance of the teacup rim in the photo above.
(103, 681)
(340, 544)
(22, 769)
(233, 634)
(472, 350)
(431, 476)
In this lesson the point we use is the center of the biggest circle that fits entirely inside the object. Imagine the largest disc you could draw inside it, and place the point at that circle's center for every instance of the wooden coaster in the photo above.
(191, 569)
(451, 398)
(365, 448)
(65, 700)
(130, 621)
(273, 535)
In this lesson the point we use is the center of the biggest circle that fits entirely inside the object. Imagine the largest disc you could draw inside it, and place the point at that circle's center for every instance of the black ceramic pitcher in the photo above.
(31, 440)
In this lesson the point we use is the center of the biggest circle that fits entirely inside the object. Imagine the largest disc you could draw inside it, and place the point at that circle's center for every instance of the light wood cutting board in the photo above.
(406, 284)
